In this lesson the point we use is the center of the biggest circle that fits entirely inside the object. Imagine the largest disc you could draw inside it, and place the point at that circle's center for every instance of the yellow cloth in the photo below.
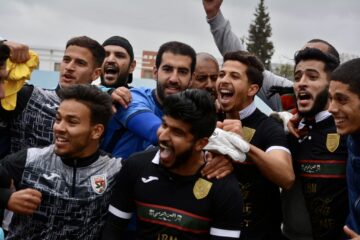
(18, 74)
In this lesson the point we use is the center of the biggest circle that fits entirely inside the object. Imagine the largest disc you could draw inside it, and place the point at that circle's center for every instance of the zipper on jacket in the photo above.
(74, 178)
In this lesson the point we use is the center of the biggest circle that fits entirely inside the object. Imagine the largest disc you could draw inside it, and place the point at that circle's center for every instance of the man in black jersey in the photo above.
(268, 164)
(165, 186)
(320, 153)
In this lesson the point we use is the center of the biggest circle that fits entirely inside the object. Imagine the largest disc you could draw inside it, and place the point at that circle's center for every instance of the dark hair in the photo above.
(315, 54)
(176, 48)
(195, 107)
(93, 46)
(98, 102)
(254, 65)
(332, 50)
(348, 73)
(4, 53)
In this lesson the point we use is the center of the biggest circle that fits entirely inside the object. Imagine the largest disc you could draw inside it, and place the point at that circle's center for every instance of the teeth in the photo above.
(225, 91)
(163, 146)
(60, 139)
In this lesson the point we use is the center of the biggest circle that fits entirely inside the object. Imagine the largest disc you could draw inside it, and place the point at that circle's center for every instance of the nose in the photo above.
(174, 77)
(59, 126)
(110, 58)
(70, 65)
(163, 134)
(332, 107)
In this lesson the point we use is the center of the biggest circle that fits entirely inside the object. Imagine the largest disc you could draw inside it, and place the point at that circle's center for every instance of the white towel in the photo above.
(228, 143)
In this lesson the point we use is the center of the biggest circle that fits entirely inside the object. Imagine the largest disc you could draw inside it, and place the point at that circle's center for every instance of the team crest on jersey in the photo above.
(248, 133)
(332, 141)
(99, 183)
(201, 188)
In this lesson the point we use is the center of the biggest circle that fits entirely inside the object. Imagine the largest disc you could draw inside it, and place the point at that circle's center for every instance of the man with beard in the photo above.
(206, 73)
(119, 63)
(268, 164)
(344, 92)
(165, 187)
(320, 154)
(63, 190)
(133, 129)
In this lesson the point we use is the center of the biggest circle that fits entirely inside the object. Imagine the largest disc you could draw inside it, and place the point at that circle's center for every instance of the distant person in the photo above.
(206, 73)
(63, 190)
(268, 165)
(134, 128)
(118, 64)
(165, 187)
(31, 122)
(344, 93)
(227, 41)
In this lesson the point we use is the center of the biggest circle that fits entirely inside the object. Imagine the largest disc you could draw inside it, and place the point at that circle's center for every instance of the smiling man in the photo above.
(268, 164)
(63, 190)
(344, 105)
(31, 122)
(165, 187)
(134, 128)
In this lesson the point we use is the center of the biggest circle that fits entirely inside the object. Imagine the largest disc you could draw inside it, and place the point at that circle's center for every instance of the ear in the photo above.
(201, 143)
(97, 131)
(96, 74)
(155, 73)
(253, 89)
(132, 66)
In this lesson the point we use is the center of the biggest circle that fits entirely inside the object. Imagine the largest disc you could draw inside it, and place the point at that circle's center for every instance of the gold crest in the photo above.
(332, 141)
(201, 188)
(248, 133)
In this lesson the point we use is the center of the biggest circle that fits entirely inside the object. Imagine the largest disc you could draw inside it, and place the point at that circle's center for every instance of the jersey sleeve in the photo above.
(122, 204)
(225, 39)
(274, 135)
(228, 205)
(139, 117)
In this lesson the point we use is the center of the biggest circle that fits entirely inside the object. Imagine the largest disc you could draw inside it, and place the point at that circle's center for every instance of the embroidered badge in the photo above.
(99, 183)
(201, 188)
(332, 141)
(248, 133)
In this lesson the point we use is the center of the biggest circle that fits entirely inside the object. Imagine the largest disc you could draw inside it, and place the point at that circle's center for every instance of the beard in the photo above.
(160, 91)
(120, 81)
(181, 158)
(319, 104)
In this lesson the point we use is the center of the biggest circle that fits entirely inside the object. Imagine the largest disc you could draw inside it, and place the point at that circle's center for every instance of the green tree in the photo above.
(259, 34)
(284, 70)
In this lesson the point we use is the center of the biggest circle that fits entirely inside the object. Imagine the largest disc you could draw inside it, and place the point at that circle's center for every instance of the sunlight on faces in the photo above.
(173, 75)
(176, 142)
(345, 108)
(311, 87)
(233, 88)
(78, 67)
(116, 66)
(74, 134)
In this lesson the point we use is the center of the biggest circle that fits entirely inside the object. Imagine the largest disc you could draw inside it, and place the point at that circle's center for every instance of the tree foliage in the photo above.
(259, 34)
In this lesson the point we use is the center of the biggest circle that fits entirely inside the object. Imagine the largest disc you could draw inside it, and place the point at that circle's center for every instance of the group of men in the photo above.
(67, 188)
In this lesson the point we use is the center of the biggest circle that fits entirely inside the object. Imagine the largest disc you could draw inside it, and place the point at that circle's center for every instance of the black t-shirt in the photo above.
(320, 162)
(262, 207)
(170, 206)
